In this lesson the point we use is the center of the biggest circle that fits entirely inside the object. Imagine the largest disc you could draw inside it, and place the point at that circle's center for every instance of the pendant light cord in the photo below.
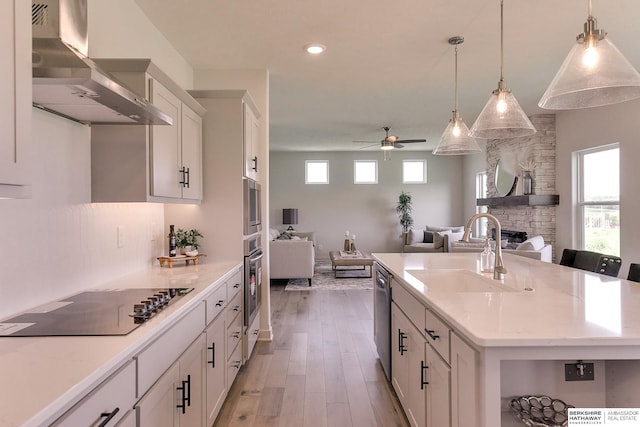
(502, 40)
(455, 86)
(590, 10)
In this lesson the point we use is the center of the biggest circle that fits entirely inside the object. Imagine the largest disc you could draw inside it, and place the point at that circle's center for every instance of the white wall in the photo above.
(58, 242)
(581, 129)
(368, 211)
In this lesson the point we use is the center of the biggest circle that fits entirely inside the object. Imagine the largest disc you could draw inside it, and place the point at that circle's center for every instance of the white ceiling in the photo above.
(387, 63)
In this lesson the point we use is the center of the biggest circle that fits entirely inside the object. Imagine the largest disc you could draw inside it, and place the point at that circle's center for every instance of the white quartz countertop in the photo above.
(42, 377)
(537, 304)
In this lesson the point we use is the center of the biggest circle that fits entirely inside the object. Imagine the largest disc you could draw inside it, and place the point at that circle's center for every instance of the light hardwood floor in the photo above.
(321, 369)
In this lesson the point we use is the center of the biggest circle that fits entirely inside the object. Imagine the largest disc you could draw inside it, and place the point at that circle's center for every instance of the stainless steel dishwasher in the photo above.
(382, 325)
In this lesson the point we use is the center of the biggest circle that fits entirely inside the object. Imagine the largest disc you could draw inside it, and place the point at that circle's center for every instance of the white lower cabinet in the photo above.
(129, 420)
(216, 368)
(433, 371)
(178, 397)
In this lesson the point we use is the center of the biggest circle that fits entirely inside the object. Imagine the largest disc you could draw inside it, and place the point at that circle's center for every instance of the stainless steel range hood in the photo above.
(67, 82)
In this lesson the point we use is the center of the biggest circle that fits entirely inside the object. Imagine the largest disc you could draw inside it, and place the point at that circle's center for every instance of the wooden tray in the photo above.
(170, 260)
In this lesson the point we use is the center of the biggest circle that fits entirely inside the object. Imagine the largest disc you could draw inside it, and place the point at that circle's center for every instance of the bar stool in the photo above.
(634, 272)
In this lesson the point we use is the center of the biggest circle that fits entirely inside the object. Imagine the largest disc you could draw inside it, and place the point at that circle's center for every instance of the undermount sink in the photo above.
(456, 280)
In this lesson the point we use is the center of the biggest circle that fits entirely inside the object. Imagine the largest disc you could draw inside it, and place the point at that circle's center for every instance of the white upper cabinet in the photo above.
(158, 163)
(252, 158)
(15, 99)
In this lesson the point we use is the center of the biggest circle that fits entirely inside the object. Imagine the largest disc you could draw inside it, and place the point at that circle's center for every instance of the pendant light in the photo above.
(594, 74)
(502, 117)
(456, 138)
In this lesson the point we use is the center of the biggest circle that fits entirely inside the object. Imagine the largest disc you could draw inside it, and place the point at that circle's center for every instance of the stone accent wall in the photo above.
(541, 148)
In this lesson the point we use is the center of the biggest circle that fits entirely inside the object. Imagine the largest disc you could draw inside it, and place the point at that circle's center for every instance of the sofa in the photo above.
(432, 239)
(534, 248)
(291, 255)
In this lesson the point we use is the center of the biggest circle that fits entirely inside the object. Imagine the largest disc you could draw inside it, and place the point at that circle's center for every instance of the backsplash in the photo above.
(541, 148)
(57, 242)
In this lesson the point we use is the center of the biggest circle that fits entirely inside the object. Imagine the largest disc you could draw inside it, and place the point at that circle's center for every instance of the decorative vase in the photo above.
(185, 249)
(527, 183)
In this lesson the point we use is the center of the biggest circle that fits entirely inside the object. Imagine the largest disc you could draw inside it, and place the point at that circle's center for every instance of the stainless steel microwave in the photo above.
(252, 211)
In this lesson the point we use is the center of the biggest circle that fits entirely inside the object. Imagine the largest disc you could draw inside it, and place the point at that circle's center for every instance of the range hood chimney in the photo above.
(67, 82)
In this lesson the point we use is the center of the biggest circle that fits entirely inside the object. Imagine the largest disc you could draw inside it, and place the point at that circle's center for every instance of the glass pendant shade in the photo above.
(455, 139)
(502, 117)
(592, 75)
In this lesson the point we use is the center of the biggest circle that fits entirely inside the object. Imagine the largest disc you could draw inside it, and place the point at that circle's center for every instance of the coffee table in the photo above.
(341, 259)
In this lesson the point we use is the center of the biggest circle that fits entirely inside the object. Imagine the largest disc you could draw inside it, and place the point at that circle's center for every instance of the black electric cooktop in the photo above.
(92, 313)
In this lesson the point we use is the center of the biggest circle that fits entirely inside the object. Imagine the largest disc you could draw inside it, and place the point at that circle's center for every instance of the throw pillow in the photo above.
(273, 234)
(454, 237)
(533, 244)
(284, 236)
(415, 237)
(438, 238)
(428, 237)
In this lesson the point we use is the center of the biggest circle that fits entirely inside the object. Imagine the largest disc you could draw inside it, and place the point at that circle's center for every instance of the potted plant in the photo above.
(187, 241)
(403, 208)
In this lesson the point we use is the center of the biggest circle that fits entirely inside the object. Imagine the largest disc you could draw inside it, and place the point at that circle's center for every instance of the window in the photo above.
(365, 172)
(599, 199)
(414, 171)
(316, 171)
(480, 229)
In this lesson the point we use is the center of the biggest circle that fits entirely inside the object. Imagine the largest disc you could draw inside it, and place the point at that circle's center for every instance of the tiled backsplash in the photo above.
(541, 148)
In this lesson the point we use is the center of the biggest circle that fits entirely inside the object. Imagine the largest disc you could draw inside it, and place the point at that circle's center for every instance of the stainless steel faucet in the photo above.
(498, 269)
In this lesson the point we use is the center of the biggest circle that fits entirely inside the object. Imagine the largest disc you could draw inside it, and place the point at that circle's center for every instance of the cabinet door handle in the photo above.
(236, 335)
(432, 334)
(423, 369)
(237, 364)
(183, 398)
(189, 390)
(401, 347)
(220, 303)
(187, 178)
(236, 286)
(256, 332)
(255, 163)
(213, 354)
(183, 181)
(236, 308)
(109, 416)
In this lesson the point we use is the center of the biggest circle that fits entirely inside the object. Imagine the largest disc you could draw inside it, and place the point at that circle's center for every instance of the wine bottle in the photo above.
(172, 242)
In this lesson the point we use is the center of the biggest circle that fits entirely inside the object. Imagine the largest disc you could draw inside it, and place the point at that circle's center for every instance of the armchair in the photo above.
(293, 258)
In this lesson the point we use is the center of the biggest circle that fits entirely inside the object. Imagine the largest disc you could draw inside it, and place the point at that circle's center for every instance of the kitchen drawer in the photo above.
(234, 307)
(116, 393)
(438, 334)
(411, 307)
(216, 302)
(233, 365)
(234, 332)
(164, 351)
(234, 285)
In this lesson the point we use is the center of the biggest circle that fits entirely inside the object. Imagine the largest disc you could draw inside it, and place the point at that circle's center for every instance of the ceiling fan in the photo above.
(391, 142)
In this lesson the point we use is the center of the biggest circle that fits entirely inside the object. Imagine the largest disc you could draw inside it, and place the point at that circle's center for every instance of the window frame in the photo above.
(306, 172)
(424, 171)
(580, 235)
(355, 171)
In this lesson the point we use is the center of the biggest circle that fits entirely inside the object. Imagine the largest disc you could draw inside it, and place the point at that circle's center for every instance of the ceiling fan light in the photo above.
(455, 139)
(386, 145)
(592, 75)
(502, 117)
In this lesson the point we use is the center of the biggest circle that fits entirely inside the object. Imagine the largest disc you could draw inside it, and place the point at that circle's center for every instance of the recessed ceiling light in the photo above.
(315, 48)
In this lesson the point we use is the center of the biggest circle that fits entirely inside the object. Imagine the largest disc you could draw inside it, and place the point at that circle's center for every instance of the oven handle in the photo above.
(255, 258)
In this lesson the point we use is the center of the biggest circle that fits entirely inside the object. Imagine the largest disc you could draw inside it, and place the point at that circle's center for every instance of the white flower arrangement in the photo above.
(527, 166)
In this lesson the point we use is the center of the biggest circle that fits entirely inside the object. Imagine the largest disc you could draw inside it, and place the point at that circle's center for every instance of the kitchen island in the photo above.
(44, 377)
(521, 331)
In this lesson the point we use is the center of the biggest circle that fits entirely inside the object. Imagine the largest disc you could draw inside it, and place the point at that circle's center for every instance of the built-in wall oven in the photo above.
(252, 277)
(252, 212)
